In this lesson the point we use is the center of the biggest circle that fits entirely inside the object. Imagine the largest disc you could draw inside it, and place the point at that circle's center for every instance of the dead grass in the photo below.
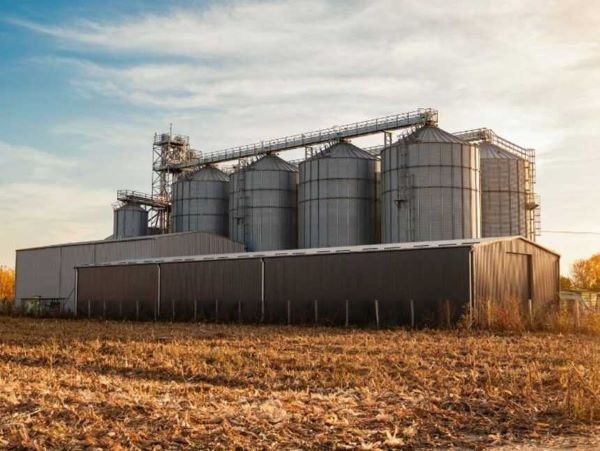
(513, 316)
(76, 384)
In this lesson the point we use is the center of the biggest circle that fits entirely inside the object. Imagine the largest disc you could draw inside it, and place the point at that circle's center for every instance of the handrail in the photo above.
(489, 136)
(141, 198)
(368, 127)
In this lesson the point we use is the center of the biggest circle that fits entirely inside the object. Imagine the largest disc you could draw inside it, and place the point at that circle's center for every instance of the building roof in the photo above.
(470, 243)
(124, 240)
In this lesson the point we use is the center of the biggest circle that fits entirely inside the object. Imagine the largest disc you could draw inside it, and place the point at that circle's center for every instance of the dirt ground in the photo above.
(78, 384)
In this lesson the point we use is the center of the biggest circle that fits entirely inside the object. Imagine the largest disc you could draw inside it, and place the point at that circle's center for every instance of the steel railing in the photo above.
(356, 129)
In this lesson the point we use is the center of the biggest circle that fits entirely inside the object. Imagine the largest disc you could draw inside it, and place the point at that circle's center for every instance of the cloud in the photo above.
(42, 213)
(238, 72)
(35, 164)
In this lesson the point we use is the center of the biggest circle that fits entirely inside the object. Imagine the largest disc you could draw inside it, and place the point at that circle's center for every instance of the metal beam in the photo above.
(414, 118)
(489, 136)
(136, 197)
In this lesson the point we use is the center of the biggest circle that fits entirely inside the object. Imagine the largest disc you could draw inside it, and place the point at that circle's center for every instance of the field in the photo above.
(76, 384)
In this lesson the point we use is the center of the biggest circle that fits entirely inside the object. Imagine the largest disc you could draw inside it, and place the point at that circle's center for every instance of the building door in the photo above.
(518, 281)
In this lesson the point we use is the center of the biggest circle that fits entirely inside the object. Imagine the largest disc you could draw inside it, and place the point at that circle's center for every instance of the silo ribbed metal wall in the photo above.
(336, 198)
(430, 188)
(200, 202)
(263, 205)
(130, 221)
(504, 188)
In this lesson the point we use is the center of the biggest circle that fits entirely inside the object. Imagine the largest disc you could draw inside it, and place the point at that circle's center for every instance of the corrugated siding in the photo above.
(194, 244)
(118, 292)
(498, 272)
(199, 286)
(116, 251)
(69, 258)
(38, 273)
(428, 276)
(49, 272)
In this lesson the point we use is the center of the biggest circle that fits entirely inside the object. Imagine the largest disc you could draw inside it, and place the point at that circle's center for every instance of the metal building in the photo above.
(336, 198)
(263, 205)
(430, 188)
(130, 220)
(505, 188)
(395, 284)
(200, 202)
(48, 272)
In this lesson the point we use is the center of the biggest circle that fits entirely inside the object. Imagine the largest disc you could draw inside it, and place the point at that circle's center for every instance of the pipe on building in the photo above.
(157, 312)
(75, 289)
(262, 290)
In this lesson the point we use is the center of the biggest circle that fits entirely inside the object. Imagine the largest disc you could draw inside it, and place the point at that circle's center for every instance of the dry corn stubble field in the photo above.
(78, 384)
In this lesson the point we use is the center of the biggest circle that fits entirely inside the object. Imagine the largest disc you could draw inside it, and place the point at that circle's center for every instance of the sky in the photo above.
(85, 85)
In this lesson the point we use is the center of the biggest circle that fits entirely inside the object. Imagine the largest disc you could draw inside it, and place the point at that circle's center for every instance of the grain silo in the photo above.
(200, 202)
(263, 205)
(130, 220)
(336, 198)
(505, 188)
(430, 188)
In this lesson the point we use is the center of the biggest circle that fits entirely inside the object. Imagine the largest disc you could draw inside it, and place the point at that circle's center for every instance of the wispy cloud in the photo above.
(240, 71)
(35, 164)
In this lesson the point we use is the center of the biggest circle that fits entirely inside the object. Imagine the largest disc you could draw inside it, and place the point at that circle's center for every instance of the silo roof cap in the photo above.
(209, 173)
(272, 163)
(432, 134)
(491, 151)
(344, 150)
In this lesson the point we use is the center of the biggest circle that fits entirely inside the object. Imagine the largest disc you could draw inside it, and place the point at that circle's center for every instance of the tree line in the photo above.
(7, 284)
(585, 275)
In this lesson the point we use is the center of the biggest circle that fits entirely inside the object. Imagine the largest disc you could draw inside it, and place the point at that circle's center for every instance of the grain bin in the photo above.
(262, 205)
(130, 220)
(336, 198)
(505, 188)
(430, 188)
(200, 202)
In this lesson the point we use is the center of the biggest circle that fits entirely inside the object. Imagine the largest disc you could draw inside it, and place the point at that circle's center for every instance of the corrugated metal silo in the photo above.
(200, 202)
(336, 198)
(130, 220)
(263, 205)
(505, 186)
(430, 188)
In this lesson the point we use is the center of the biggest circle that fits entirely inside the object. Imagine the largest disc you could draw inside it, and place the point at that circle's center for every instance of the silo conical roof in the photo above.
(272, 163)
(491, 151)
(344, 150)
(209, 173)
(432, 134)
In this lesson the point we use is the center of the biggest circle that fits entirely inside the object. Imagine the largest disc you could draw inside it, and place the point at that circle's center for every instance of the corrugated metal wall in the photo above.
(118, 292)
(38, 273)
(227, 290)
(499, 269)
(230, 290)
(428, 276)
(49, 272)
(70, 257)
(331, 288)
